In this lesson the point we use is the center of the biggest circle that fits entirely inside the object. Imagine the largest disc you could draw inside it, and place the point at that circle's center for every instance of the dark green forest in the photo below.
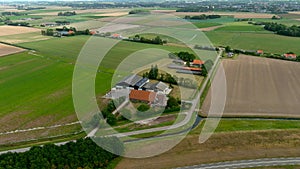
(83, 153)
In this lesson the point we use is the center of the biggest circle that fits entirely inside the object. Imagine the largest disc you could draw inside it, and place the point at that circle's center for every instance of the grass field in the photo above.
(205, 24)
(268, 42)
(272, 91)
(230, 125)
(240, 27)
(220, 147)
(41, 81)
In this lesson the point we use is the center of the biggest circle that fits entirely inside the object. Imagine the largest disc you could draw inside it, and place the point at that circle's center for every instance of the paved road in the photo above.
(267, 162)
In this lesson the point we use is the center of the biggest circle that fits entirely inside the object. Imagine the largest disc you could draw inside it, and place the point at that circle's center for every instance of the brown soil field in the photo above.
(260, 87)
(7, 50)
(221, 147)
(211, 28)
(13, 30)
(234, 14)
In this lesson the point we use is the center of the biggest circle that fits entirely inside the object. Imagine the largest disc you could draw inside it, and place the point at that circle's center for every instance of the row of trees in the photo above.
(9, 22)
(157, 40)
(168, 78)
(185, 56)
(83, 153)
(194, 9)
(72, 31)
(13, 14)
(283, 29)
(138, 11)
(202, 17)
(265, 54)
(68, 13)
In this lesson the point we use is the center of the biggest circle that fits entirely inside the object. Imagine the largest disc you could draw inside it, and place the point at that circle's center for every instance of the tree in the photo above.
(153, 73)
(204, 71)
(143, 107)
(172, 102)
(111, 119)
(227, 49)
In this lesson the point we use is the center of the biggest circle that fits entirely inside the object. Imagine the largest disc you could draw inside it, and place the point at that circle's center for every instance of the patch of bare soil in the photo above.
(211, 28)
(259, 86)
(7, 49)
(13, 30)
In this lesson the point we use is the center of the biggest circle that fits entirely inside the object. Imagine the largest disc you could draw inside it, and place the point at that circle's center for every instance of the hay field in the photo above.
(24, 37)
(7, 50)
(261, 87)
(113, 14)
(13, 30)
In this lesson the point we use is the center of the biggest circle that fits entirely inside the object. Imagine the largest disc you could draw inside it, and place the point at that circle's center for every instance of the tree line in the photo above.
(82, 154)
(68, 13)
(202, 17)
(139, 11)
(168, 78)
(13, 14)
(193, 9)
(157, 40)
(281, 29)
(72, 31)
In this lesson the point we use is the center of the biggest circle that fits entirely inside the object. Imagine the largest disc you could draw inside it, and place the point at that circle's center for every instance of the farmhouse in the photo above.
(198, 63)
(260, 52)
(159, 87)
(144, 96)
(141, 89)
(49, 24)
(290, 56)
(129, 82)
(153, 98)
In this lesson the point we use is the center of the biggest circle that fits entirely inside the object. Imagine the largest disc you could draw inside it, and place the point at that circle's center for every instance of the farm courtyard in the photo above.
(271, 91)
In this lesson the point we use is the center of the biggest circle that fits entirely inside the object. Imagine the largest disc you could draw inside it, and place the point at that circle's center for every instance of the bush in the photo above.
(143, 107)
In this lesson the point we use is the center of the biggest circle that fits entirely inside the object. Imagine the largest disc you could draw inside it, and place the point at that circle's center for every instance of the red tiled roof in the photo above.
(260, 51)
(116, 35)
(142, 95)
(198, 62)
(287, 55)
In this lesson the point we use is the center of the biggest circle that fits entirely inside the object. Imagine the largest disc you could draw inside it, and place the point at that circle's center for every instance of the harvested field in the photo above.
(7, 50)
(295, 12)
(211, 28)
(113, 14)
(221, 147)
(234, 14)
(13, 30)
(261, 87)
(24, 37)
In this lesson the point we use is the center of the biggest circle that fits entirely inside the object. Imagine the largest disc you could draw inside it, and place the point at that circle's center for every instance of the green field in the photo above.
(252, 41)
(205, 24)
(240, 27)
(240, 125)
(41, 81)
